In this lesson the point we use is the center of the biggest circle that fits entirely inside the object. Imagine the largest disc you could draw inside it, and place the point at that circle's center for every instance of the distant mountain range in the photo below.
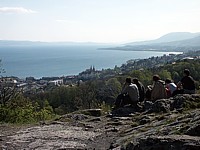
(175, 41)
(38, 43)
(170, 37)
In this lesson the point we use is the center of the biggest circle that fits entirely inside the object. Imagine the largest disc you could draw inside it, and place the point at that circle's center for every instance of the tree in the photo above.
(8, 89)
(175, 76)
(113, 88)
(144, 76)
(87, 94)
(62, 97)
(164, 74)
(23, 110)
(7, 92)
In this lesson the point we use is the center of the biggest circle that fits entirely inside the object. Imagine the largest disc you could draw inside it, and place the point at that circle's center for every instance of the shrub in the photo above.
(22, 110)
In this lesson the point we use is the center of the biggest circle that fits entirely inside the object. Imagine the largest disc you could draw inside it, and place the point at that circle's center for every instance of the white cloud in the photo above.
(16, 10)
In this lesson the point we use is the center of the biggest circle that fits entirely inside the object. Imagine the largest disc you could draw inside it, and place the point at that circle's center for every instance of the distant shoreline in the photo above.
(147, 50)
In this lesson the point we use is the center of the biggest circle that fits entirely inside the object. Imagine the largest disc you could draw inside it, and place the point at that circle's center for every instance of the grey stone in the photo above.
(145, 119)
(194, 130)
(148, 105)
(95, 119)
(92, 112)
(173, 142)
(161, 105)
(125, 111)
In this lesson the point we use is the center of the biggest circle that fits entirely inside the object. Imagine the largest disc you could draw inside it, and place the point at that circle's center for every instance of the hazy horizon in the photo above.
(113, 21)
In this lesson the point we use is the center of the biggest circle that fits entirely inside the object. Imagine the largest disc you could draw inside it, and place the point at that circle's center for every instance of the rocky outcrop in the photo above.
(170, 142)
(194, 130)
(165, 124)
(179, 103)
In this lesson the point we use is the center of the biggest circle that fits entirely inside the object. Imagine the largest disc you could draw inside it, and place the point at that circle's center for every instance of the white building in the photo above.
(56, 82)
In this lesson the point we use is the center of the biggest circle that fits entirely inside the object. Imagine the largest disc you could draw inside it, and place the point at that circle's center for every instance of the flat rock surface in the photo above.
(59, 135)
(51, 137)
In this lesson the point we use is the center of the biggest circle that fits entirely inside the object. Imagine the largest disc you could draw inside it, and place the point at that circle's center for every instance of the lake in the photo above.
(48, 61)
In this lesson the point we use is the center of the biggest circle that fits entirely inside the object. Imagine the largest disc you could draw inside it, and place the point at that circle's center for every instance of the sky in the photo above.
(104, 21)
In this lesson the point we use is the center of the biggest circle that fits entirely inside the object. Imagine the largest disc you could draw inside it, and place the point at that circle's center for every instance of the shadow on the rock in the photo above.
(125, 111)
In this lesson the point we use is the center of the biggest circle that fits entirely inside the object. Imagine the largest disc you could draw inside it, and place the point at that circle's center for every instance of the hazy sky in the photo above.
(96, 20)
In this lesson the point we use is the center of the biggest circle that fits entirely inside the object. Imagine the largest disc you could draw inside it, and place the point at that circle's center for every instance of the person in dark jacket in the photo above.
(141, 89)
(187, 84)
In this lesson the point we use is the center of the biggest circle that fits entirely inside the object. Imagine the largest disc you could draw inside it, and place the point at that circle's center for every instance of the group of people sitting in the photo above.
(134, 91)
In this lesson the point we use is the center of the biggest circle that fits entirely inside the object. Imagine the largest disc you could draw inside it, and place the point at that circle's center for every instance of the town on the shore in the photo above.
(31, 85)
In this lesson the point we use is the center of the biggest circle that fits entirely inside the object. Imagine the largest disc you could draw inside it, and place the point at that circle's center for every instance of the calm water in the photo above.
(40, 61)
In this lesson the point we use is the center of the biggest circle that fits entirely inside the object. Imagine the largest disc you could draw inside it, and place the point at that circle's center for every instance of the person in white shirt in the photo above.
(129, 94)
(170, 87)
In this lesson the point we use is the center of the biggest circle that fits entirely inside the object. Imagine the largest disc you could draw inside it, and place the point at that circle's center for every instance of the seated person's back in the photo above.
(132, 91)
(158, 90)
